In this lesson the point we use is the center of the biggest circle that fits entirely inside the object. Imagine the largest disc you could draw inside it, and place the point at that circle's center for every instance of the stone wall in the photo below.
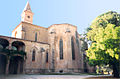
(30, 30)
(51, 38)
(17, 33)
(27, 31)
(64, 32)
(40, 54)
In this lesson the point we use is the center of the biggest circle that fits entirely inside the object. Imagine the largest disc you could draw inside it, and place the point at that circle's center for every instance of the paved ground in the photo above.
(45, 76)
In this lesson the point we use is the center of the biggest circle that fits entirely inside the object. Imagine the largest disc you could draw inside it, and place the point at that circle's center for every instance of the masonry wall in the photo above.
(29, 31)
(17, 33)
(51, 36)
(64, 32)
(32, 67)
(40, 57)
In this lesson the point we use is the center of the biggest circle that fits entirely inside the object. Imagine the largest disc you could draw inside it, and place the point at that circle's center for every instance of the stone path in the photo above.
(45, 76)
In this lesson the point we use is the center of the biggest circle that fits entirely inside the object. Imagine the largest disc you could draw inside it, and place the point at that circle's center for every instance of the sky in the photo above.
(47, 12)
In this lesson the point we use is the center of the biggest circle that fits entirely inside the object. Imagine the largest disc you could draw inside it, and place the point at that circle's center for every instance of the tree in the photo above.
(104, 33)
(84, 41)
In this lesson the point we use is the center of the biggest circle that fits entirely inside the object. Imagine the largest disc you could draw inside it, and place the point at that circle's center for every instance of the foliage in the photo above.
(103, 69)
(84, 46)
(13, 52)
(105, 37)
(1, 47)
(6, 51)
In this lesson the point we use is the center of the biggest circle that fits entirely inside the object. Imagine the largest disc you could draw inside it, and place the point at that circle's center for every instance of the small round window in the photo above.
(28, 16)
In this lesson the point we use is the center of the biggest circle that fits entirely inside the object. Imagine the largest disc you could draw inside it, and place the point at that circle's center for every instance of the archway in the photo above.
(4, 43)
(17, 60)
(20, 46)
(16, 65)
(3, 58)
(3, 61)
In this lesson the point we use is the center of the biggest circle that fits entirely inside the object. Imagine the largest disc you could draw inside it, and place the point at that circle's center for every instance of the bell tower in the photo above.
(27, 15)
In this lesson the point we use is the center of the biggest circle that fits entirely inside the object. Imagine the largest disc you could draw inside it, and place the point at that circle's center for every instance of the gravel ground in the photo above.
(45, 76)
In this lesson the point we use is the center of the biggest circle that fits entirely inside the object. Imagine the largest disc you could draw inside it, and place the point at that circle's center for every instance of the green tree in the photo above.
(84, 45)
(104, 33)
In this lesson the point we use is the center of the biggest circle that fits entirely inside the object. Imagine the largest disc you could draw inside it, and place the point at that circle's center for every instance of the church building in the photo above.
(34, 49)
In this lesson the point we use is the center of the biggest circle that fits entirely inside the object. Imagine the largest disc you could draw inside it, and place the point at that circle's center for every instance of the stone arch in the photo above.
(16, 65)
(15, 34)
(34, 47)
(4, 42)
(19, 45)
(34, 51)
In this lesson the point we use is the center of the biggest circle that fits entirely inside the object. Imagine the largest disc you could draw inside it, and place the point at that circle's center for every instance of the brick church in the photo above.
(35, 49)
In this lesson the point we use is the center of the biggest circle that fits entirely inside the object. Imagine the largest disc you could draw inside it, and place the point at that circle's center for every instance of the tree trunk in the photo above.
(116, 70)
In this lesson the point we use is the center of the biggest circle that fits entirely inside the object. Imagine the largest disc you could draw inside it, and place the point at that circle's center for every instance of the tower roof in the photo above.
(27, 7)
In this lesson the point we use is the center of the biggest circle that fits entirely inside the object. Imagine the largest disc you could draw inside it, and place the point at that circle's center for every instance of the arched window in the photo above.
(77, 39)
(36, 36)
(76, 34)
(61, 48)
(46, 57)
(33, 55)
(15, 33)
(72, 47)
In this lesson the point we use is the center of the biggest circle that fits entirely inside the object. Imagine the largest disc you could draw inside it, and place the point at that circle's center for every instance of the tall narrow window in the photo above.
(76, 34)
(72, 47)
(36, 36)
(61, 48)
(33, 55)
(47, 57)
(77, 39)
(15, 33)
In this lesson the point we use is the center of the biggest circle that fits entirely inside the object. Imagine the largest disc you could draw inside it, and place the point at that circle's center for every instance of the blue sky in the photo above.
(48, 12)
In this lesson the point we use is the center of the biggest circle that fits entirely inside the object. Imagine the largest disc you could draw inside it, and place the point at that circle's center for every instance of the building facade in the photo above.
(53, 49)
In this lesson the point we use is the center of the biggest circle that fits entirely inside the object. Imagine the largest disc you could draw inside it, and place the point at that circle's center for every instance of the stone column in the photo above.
(52, 49)
(18, 70)
(10, 46)
(24, 64)
(7, 66)
(43, 66)
(8, 59)
(68, 49)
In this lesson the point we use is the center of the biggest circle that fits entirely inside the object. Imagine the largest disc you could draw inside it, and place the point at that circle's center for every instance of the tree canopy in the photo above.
(104, 33)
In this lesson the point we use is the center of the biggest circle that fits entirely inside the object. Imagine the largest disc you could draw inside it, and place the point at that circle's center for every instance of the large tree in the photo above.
(104, 33)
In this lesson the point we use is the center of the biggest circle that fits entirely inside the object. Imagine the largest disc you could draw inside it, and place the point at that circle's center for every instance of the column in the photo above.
(18, 70)
(7, 66)
(10, 45)
(24, 64)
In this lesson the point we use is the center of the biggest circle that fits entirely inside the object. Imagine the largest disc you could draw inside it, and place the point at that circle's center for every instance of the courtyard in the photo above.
(51, 77)
(44, 77)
